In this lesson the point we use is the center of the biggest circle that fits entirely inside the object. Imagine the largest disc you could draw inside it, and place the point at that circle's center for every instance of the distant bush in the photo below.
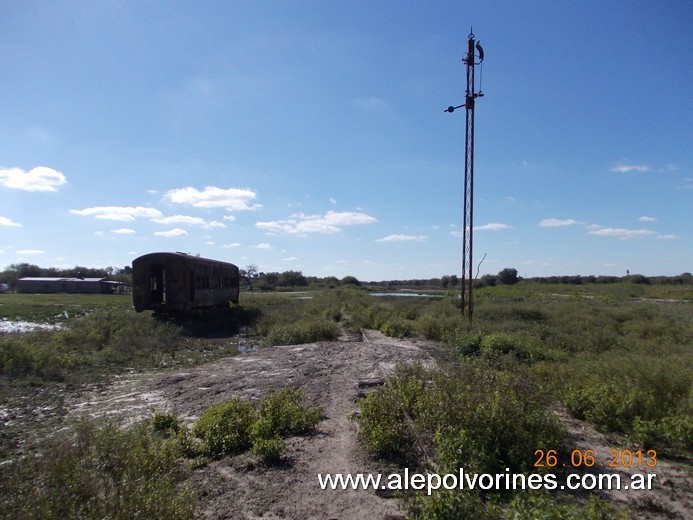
(508, 276)
(397, 328)
(306, 330)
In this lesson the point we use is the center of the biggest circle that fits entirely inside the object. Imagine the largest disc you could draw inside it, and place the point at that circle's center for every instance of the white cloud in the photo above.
(667, 237)
(4, 221)
(264, 245)
(627, 168)
(31, 252)
(492, 226)
(186, 219)
(123, 231)
(621, 233)
(232, 199)
(230, 218)
(402, 238)
(180, 219)
(330, 222)
(120, 213)
(555, 222)
(40, 178)
(175, 232)
(333, 200)
(290, 259)
(232, 244)
(645, 218)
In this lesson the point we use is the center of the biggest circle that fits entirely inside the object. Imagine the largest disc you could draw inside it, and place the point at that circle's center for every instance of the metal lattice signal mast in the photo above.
(474, 51)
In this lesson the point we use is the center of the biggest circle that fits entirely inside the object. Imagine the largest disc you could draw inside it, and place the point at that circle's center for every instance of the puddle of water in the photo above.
(245, 346)
(411, 295)
(12, 326)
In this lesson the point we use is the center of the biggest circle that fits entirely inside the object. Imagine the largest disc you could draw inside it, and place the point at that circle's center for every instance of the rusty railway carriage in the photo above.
(179, 283)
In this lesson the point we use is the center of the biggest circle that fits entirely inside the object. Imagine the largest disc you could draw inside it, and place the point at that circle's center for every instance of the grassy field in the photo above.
(616, 355)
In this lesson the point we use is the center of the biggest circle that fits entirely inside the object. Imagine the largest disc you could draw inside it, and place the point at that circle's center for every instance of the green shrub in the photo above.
(285, 413)
(306, 330)
(396, 328)
(386, 421)
(498, 343)
(165, 423)
(224, 428)
(234, 426)
(430, 327)
(270, 450)
(469, 416)
(637, 393)
(465, 342)
(461, 505)
(667, 433)
(613, 405)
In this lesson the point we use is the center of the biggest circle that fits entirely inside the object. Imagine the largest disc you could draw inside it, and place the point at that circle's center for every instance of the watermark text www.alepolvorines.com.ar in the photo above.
(485, 481)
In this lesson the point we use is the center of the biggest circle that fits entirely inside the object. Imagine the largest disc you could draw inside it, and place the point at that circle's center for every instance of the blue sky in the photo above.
(310, 135)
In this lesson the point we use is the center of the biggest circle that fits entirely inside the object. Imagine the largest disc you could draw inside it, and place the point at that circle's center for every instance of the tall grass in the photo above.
(106, 338)
(290, 322)
(98, 471)
(624, 364)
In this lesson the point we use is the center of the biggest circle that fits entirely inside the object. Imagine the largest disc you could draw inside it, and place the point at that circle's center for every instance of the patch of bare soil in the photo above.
(329, 373)
(332, 375)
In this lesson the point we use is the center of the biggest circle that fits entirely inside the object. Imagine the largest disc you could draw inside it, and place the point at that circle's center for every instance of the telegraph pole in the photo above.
(474, 53)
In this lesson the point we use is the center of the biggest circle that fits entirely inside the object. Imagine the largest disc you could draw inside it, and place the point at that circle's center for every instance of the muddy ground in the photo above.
(329, 373)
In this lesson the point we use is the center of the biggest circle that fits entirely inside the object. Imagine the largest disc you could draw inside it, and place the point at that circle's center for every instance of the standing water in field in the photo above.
(9, 326)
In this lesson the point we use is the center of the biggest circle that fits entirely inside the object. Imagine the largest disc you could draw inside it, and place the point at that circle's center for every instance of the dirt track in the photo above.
(329, 373)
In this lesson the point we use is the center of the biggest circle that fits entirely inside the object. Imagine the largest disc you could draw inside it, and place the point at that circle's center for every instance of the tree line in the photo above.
(252, 279)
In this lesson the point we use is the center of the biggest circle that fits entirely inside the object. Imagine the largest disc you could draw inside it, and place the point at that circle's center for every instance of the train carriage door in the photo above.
(157, 284)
